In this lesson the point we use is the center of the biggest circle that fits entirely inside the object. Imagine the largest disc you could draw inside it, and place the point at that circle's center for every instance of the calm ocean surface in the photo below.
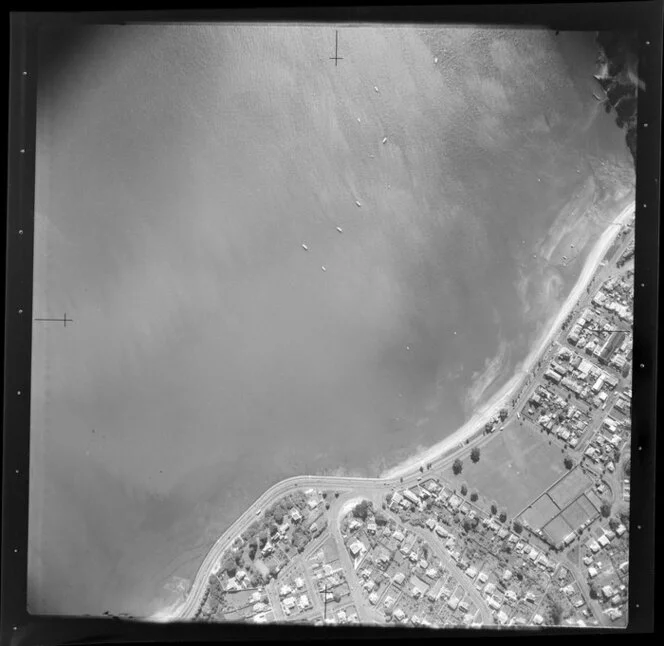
(179, 171)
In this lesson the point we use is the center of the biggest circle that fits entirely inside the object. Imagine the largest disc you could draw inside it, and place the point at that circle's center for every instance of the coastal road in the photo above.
(405, 478)
(337, 483)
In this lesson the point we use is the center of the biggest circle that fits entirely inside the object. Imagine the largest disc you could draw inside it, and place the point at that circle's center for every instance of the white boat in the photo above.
(435, 60)
(340, 230)
(323, 268)
(358, 120)
(304, 246)
(358, 203)
(375, 89)
(385, 140)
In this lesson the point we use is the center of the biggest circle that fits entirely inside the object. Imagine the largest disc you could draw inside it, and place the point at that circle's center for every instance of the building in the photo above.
(411, 497)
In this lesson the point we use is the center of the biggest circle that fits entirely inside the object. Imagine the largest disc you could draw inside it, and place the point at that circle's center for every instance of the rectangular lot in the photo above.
(516, 465)
(541, 512)
(569, 488)
(575, 515)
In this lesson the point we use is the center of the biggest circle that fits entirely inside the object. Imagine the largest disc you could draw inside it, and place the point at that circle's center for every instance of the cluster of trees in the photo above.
(474, 496)
(457, 467)
(517, 526)
(568, 462)
(605, 509)
(475, 455)
(469, 524)
(464, 488)
(362, 509)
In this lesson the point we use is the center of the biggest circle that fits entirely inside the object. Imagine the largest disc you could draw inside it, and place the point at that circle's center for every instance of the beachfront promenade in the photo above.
(408, 473)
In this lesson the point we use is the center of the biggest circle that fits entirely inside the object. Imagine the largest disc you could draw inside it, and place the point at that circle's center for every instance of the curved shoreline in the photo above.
(509, 390)
(410, 466)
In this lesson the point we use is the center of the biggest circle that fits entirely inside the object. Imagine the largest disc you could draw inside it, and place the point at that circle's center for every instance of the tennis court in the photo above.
(516, 466)
(540, 513)
(569, 488)
(575, 515)
(557, 529)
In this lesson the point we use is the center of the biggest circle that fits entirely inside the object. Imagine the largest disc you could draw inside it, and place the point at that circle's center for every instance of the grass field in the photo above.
(515, 467)
(541, 512)
(570, 488)
(557, 529)
(575, 515)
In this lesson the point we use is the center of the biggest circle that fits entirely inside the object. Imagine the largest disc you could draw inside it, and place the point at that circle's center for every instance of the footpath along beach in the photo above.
(183, 608)
(510, 389)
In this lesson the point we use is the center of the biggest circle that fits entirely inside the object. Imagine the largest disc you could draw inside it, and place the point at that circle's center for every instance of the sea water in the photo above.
(179, 171)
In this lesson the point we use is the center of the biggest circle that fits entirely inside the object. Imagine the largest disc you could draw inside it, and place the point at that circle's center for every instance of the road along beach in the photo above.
(510, 389)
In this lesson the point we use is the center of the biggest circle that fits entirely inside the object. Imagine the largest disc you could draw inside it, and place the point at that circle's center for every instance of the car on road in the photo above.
(419, 478)
(258, 512)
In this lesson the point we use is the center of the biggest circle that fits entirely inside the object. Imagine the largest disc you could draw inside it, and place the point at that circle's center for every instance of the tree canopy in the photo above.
(362, 509)
(457, 467)
(475, 454)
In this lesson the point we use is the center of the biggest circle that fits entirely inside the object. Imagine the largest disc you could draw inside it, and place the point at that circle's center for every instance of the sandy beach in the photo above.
(509, 390)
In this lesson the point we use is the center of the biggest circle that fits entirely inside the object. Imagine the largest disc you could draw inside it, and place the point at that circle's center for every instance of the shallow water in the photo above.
(179, 171)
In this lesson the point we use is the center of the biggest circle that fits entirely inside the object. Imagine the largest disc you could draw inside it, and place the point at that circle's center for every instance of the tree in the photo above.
(230, 566)
(503, 414)
(555, 613)
(467, 525)
(605, 508)
(336, 596)
(568, 462)
(421, 469)
(494, 508)
(464, 489)
(327, 505)
(592, 591)
(503, 515)
(614, 523)
(324, 494)
(517, 526)
(475, 455)
(474, 496)
(457, 467)
(362, 509)
(401, 479)
(627, 468)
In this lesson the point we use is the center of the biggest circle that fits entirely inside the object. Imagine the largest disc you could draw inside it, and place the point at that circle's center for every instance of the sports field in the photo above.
(557, 529)
(570, 488)
(541, 512)
(575, 515)
(515, 467)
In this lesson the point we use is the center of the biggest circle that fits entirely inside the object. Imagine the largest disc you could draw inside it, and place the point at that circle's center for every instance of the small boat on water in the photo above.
(384, 140)
(358, 203)
(376, 90)
(304, 246)
(572, 246)
(359, 120)
(340, 230)
(435, 60)
(597, 98)
(323, 268)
